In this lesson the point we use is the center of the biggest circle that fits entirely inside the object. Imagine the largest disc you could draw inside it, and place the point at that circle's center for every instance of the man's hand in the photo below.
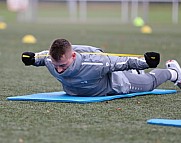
(152, 59)
(28, 58)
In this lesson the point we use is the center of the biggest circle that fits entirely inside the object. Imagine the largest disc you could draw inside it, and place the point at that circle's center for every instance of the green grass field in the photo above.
(117, 121)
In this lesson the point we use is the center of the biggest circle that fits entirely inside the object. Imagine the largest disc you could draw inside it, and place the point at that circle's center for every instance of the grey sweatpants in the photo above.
(147, 81)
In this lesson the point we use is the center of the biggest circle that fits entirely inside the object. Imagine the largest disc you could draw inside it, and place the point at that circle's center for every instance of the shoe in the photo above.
(172, 64)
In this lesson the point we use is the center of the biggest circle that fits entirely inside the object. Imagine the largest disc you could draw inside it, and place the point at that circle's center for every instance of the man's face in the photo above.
(63, 63)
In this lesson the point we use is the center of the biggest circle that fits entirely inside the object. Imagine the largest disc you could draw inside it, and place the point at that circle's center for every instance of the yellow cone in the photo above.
(30, 39)
(146, 29)
(3, 25)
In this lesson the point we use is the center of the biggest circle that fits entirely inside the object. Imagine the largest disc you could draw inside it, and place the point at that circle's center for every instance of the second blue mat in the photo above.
(165, 122)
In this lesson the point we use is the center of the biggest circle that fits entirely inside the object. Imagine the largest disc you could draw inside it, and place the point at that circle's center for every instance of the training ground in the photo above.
(117, 121)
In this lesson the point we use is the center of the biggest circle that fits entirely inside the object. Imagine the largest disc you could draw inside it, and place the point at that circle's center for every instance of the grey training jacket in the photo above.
(93, 74)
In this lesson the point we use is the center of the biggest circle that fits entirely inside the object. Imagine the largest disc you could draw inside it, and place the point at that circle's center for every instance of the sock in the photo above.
(174, 75)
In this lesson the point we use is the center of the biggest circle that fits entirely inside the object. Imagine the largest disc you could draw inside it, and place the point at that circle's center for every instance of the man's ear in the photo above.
(74, 55)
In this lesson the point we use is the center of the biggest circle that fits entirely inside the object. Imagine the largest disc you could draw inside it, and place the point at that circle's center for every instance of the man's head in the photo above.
(61, 54)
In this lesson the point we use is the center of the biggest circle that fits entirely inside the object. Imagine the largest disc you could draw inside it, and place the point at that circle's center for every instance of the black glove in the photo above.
(152, 59)
(28, 58)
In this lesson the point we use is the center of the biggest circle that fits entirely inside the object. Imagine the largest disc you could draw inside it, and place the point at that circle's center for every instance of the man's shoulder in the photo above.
(85, 48)
(82, 46)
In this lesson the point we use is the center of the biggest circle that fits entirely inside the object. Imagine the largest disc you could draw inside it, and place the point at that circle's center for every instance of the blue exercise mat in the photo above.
(63, 97)
(165, 122)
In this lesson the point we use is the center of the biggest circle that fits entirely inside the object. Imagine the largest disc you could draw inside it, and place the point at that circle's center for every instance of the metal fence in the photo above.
(88, 11)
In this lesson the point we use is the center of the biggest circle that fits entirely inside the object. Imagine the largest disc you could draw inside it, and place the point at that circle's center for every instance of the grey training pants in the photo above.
(147, 81)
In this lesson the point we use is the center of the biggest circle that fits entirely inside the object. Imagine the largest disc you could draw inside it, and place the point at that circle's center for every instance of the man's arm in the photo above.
(151, 60)
(35, 59)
